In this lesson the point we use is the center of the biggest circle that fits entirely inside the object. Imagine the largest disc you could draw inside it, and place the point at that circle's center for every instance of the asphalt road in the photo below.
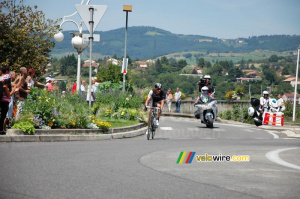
(140, 168)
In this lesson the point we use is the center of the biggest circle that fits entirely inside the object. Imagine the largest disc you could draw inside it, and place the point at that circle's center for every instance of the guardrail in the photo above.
(187, 106)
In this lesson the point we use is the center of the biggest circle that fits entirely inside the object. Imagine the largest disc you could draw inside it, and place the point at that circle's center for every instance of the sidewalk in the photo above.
(57, 135)
(290, 130)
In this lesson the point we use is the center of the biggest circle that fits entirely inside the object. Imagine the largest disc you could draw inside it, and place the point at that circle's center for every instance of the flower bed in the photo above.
(44, 110)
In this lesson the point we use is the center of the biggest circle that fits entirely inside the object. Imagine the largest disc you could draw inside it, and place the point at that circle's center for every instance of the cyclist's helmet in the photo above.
(158, 85)
(204, 90)
(206, 76)
(265, 93)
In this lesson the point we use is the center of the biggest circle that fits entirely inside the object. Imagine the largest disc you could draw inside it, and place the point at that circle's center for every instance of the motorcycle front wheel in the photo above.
(210, 122)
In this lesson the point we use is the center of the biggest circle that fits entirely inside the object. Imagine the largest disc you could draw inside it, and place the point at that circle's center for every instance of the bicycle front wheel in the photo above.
(153, 133)
(149, 132)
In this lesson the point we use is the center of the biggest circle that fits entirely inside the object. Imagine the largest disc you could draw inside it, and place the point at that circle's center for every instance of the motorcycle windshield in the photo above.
(204, 99)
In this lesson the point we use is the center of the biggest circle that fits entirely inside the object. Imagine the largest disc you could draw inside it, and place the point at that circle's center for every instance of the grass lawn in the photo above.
(118, 123)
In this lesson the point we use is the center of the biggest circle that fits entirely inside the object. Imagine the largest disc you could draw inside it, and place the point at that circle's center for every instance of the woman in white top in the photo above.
(169, 99)
(31, 81)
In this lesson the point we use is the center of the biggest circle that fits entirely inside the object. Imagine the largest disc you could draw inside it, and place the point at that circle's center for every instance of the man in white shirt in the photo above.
(82, 89)
(92, 92)
(280, 102)
(177, 100)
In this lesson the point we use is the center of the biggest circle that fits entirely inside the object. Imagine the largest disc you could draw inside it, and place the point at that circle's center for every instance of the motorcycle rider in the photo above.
(264, 101)
(203, 96)
(206, 82)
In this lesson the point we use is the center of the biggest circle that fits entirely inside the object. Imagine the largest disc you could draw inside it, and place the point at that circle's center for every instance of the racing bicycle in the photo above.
(152, 126)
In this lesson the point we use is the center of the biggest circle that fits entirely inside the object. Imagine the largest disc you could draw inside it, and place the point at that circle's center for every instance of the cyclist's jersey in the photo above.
(156, 97)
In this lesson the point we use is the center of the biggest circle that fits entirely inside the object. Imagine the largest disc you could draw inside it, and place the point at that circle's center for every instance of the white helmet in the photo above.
(204, 88)
(251, 111)
(206, 76)
(266, 93)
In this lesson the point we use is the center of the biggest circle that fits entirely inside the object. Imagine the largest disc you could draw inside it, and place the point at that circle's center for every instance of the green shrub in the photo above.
(25, 126)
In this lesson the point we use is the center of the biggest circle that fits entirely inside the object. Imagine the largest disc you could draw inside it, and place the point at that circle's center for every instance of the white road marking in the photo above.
(272, 133)
(193, 129)
(218, 129)
(249, 130)
(166, 128)
(273, 156)
(237, 125)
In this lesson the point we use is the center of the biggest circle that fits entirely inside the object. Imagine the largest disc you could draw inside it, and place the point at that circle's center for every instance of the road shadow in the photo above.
(204, 127)
(161, 138)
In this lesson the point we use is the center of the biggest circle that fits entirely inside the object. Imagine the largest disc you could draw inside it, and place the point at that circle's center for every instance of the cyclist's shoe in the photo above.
(157, 123)
(147, 132)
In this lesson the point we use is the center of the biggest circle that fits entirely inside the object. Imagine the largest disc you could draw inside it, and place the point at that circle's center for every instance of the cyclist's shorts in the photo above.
(154, 104)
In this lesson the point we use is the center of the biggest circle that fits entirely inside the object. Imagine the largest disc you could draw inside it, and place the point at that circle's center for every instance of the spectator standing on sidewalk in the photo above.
(177, 100)
(83, 90)
(92, 92)
(31, 81)
(12, 100)
(74, 87)
(169, 99)
(21, 90)
(5, 100)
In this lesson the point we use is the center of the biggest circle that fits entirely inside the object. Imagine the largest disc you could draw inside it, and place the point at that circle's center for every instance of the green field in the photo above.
(235, 57)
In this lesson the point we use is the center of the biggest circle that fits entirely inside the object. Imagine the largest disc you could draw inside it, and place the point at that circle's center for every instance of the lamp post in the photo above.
(126, 8)
(77, 42)
(296, 83)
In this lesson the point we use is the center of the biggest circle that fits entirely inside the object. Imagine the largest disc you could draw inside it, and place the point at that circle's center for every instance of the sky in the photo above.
(215, 18)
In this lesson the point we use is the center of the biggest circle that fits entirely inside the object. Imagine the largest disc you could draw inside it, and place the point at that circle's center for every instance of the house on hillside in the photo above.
(114, 61)
(144, 64)
(94, 64)
(248, 79)
(197, 70)
(87, 64)
(290, 97)
(251, 73)
(292, 80)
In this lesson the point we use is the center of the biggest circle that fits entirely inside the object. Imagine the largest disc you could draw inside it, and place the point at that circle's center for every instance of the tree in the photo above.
(26, 36)
(207, 64)
(285, 71)
(68, 65)
(273, 58)
(181, 64)
(188, 70)
(164, 60)
(201, 63)
(110, 73)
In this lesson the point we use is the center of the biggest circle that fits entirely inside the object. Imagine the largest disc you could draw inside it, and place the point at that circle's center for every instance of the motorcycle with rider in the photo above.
(207, 109)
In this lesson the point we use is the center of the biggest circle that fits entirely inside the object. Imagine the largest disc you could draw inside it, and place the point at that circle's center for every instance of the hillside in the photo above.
(151, 42)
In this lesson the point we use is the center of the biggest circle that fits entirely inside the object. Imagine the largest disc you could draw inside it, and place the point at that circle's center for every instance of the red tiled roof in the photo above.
(291, 95)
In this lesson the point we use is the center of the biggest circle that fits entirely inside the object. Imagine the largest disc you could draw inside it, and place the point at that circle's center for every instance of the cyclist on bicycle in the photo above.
(156, 98)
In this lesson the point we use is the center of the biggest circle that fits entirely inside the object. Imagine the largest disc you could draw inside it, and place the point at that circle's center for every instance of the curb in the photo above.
(78, 131)
(63, 138)
(287, 130)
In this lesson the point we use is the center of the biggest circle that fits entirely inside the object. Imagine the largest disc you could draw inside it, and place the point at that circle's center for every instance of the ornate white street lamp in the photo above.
(77, 42)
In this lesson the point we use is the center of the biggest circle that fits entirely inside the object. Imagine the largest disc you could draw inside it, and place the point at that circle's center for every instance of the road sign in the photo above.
(124, 66)
(85, 37)
(84, 12)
